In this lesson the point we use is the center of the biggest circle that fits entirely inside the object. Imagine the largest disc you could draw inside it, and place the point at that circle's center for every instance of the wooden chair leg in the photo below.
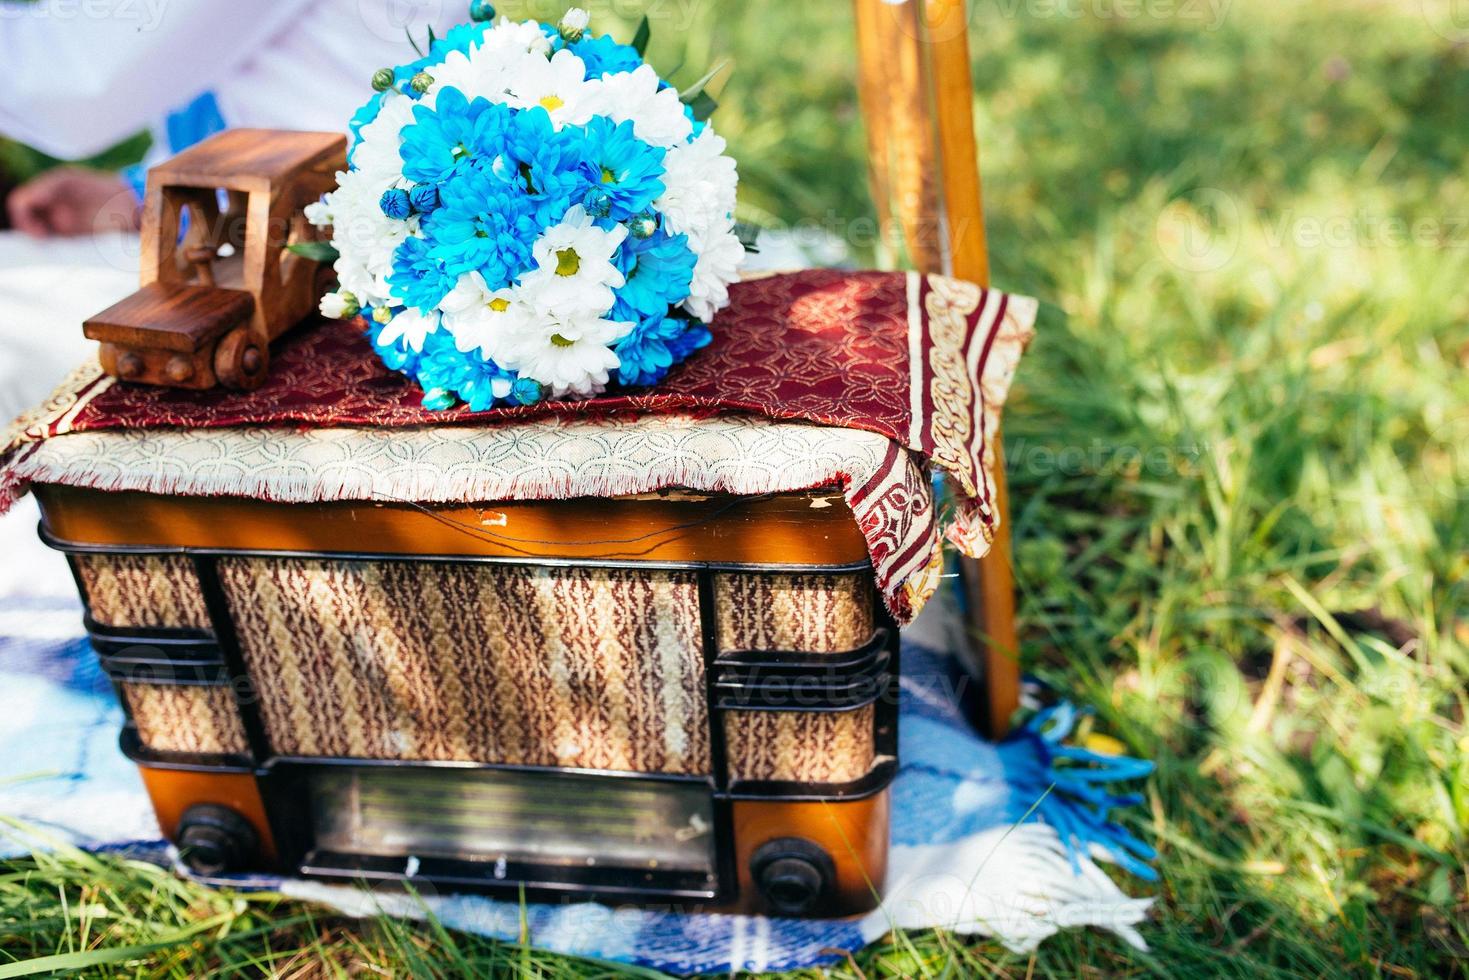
(989, 585)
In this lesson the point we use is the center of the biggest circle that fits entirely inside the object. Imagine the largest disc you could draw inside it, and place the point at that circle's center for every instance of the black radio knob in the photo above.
(794, 875)
(214, 839)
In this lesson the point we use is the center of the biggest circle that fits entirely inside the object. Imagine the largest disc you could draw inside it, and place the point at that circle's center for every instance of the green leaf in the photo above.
(703, 105)
(641, 38)
(688, 95)
(409, 35)
(319, 251)
(431, 38)
(748, 234)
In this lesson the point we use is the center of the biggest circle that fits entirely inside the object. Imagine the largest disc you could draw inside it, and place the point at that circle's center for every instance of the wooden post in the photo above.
(936, 33)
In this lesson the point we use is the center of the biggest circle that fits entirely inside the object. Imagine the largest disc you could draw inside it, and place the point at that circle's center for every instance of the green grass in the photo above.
(1240, 460)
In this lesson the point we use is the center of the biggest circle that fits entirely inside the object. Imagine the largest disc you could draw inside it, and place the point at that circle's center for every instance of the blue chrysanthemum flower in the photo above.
(485, 225)
(364, 115)
(688, 112)
(654, 345)
(460, 37)
(453, 136)
(658, 269)
(623, 165)
(396, 356)
(605, 56)
(418, 278)
(696, 336)
(550, 166)
(474, 380)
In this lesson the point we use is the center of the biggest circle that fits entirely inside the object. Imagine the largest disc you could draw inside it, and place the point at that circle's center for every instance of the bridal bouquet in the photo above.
(530, 211)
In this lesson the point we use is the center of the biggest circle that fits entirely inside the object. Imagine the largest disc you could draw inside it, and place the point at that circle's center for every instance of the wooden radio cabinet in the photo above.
(668, 698)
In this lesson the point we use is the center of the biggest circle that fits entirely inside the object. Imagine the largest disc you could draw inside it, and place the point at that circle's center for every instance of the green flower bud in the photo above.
(382, 79)
(574, 24)
(340, 305)
(420, 82)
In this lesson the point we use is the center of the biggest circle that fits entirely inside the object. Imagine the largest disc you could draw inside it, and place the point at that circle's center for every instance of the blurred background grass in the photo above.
(1239, 453)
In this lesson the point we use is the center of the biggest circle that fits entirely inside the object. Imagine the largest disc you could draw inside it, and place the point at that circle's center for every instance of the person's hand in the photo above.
(73, 201)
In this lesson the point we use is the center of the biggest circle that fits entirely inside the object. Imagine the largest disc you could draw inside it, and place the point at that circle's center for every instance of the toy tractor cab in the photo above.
(218, 280)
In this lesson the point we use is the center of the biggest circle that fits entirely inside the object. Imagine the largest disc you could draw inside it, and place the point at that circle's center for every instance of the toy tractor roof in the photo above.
(249, 159)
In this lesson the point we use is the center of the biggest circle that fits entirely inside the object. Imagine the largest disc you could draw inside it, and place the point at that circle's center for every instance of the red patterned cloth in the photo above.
(924, 360)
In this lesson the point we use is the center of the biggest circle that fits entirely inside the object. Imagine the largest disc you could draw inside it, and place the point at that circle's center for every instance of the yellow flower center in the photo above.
(499, 304)
(608, 177)
(551, 103)
(568, 263)
(561, 341)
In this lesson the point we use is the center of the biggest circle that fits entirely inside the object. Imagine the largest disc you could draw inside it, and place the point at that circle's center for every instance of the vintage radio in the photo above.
(672, 698)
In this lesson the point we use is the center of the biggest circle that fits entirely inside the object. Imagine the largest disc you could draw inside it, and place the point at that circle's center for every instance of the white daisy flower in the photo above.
(512, 36)
(409, 329)
(377, 153)
(657, 115)
(559, 86)
(505, 52)
(720, 253)
(699, 182)
(363, 236)
(481, 318)
(319, 213)
(574, 270)
(475, 74)
(571, 354)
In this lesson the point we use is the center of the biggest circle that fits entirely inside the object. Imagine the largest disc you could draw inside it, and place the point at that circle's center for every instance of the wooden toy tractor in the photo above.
(219, 282)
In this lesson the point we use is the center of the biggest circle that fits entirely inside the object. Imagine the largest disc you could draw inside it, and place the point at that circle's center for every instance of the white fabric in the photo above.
(47, 288)
(1014, 883)
(80, 75)
(526, 460)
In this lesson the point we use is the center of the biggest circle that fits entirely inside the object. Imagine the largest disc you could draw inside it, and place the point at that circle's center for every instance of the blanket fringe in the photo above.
(1025, 887)
(1067, 784)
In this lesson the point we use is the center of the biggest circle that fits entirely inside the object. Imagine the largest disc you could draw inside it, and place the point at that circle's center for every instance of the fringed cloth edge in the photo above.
(889, 494)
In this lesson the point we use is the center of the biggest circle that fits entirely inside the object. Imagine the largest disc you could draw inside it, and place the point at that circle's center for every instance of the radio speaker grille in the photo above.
(801, 746)
(142, 590)
(809, 612)
(186, 718)
(572, 667)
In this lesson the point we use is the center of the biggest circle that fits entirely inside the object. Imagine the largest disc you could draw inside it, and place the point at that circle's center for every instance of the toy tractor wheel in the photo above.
(241, 360)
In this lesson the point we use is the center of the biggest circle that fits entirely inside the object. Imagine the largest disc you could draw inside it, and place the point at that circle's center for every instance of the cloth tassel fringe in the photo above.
(1069, 784)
